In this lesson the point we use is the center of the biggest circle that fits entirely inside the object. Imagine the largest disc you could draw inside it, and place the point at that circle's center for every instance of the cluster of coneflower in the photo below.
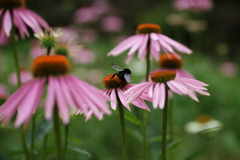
(65, 92)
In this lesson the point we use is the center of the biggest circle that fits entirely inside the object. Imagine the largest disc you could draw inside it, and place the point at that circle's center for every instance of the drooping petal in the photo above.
(122, 98)
(51, 98)
(113, 99)
(156, 95)
(162, 95)
(7, 23)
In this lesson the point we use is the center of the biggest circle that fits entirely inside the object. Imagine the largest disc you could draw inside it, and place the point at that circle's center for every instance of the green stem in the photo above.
(25, 148)
(164, 124)
(66, 141)
(122, 123)
(32, 139)
(145, 113)
(57, 134)
(49, 50)
(171, 129)
(44, 146)
(15, 56)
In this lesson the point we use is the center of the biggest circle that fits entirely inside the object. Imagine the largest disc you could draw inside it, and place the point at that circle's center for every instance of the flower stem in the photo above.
(32, 139)
(15, 56)
(44, 146)
(66, 141)
(164, 124)
(25, 148)
(49, 50)
(145, 113)
(171, 129)
(122, 123)
(57, 134)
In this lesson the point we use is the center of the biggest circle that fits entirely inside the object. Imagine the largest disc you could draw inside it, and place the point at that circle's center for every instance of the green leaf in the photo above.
(193, 155)
(78, 150)
(2, 101)
(131, 118)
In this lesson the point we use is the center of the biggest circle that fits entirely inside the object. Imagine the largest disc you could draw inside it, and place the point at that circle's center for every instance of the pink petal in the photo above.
(142, 48)
(162, 95)
(113, 99)
(136, 45)
(123, 98)
(140, 103)
(156, 95)
(7, 22)
(51, 98)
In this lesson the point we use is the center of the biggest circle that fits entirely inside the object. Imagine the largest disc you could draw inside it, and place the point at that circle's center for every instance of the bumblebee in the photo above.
(123, 74)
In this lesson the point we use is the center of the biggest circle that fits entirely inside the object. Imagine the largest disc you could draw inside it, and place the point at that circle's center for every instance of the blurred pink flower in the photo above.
(193, 5)
(36, 50)
(14, 13)
(69, 34)
(84, 56)
(86, 14)
(25, 76)
(112, 24)
(3, 91)
(101, 6)
(87, 35)
(148, 33)
(229, 69)
(64, 91)
(157, 85)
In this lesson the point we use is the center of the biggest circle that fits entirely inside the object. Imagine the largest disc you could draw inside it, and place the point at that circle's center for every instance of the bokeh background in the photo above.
(100, 25)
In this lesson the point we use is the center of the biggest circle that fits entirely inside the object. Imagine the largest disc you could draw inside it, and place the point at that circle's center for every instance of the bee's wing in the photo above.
(117, 67)
(127, 77)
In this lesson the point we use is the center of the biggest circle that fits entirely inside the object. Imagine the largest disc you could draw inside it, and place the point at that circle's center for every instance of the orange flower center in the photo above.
(163, 76)
(50, 65)
(11, 3)
(203, 119)
(170, 61)
(113, 81)
(148, 28)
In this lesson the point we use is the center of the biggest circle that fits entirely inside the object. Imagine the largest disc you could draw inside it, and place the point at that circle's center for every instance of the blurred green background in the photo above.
(215, 60)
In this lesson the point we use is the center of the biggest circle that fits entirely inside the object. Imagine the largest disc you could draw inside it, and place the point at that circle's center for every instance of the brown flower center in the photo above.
(163, 76)
(50, 65)
(11, 3)
(148, 28)
(170, 61)
(113, 81)
(203, 119)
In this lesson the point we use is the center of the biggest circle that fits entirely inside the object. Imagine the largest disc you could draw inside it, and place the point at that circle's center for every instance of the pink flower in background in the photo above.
(86, 14)
(112, 24)
(101, 6)
(229, 69)
(87, 35)
(69, 34)
(64, 91)
(25, 76)
(3, 91)
(148, 33)
(157, 85)
(193, 5)
(36, 50)
(116, 87)
(173, 62)
(14, 13)
(84, 56)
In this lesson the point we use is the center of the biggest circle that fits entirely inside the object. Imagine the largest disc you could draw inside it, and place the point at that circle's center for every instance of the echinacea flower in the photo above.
(203, 123)
(116, 86)
(156, 87)
(13, 13)
(148, 37)
(64, 91)
(172, 62)
(193, 5)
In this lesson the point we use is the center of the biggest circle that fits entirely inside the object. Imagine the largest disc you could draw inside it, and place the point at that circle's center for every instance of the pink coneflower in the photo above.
(86, 14)
(115, 85)
(3, 91)
(172, 62)
(14, 13)
(112, 24)
(157, 85)
(148, 36)
(25, 76)
(64, 91)
(193, 5)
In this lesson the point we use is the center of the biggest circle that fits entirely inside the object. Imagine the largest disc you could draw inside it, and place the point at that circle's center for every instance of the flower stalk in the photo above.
(57, 134)
(32, 139)
(122, 123)
(164, 124)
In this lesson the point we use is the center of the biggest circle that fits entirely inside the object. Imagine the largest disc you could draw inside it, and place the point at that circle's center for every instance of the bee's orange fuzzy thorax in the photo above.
(113, 81)
(170, 61)
(163, 76)
(148, 28)
(11, 3)
(203, 119)
(50, 65)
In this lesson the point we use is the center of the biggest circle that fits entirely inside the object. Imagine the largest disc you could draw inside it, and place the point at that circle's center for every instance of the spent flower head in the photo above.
(48, 39)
